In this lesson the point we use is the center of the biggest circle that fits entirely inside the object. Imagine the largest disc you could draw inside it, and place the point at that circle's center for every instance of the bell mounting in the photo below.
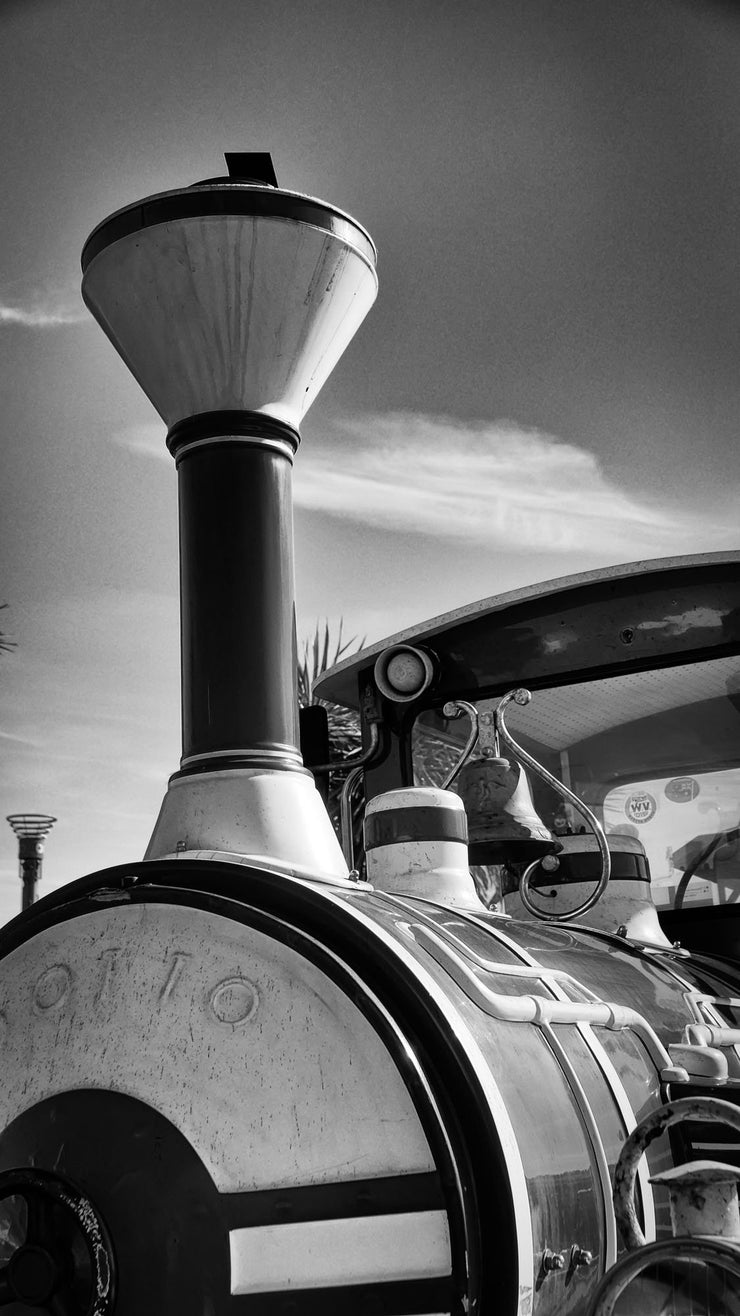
(504, 824)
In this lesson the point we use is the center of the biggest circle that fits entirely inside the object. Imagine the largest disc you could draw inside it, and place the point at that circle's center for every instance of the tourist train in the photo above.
(476, 1051)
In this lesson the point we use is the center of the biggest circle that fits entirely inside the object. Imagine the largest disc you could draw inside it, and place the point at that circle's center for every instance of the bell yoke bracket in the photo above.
(488, 731)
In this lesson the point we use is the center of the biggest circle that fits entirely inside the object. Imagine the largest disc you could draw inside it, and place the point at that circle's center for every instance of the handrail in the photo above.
(541, 1010)
(708, 1035)
(541, 973)
(345, 815)
(357, 760)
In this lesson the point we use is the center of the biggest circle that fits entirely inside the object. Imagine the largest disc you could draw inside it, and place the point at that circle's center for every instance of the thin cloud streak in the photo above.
(495, 484)
(43, 317)
(19, 740)
(148, 439)
(489, 483)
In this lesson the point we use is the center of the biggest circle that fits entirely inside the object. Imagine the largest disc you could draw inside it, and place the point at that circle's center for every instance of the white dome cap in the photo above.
(416, 843)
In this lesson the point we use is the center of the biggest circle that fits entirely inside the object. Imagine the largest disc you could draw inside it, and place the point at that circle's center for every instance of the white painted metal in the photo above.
(272, 818)
(627, 904)
(325, 1253)
(705, 1064)
(703, 1198)
(276, 301)
(434, 869)
(268, 1069)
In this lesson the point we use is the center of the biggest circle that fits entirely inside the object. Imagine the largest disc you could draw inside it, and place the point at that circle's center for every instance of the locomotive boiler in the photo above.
(254, 1072)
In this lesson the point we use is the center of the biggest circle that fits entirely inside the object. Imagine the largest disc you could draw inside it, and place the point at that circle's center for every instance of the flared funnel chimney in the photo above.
(229, 296)
(231, 301)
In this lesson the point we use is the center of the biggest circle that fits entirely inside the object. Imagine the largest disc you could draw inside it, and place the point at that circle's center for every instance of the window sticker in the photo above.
(682, 790)
(640, 807)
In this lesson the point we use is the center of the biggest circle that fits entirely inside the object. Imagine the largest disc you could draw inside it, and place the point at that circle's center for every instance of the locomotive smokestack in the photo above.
(231, 301)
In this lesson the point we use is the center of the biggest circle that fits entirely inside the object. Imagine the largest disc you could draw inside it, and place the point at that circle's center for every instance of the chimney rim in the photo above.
(228, 197)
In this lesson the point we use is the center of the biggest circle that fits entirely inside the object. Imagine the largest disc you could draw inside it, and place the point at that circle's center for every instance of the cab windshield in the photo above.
(654, 754)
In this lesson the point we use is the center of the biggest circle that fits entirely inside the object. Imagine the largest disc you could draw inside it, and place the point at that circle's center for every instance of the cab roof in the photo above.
(636, 614)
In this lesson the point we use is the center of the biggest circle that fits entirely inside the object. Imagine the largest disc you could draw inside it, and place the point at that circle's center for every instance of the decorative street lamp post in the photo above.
(31, 829)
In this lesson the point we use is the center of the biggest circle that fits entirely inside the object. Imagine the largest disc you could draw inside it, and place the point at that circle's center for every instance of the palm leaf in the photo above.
(5, 644)
(318, 655)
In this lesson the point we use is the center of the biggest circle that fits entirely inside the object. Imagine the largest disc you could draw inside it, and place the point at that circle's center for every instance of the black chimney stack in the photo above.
(231, 301)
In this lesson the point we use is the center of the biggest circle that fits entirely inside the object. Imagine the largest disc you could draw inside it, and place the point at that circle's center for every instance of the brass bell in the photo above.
(503, 826)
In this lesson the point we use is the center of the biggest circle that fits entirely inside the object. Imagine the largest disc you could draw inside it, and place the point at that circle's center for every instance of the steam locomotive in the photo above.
(261, 1072)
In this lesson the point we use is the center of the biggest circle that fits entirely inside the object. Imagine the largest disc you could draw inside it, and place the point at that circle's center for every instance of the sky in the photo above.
(548, 382)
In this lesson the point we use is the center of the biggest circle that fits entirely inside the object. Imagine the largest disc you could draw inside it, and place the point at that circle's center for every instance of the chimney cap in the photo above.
(179, 281)
(246, 168)
(233, 196)
(251, 167)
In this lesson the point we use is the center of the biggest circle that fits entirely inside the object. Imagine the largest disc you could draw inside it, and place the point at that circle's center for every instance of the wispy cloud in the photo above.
(18, 740)
(39, 316)
(147, 438)
(493, 483)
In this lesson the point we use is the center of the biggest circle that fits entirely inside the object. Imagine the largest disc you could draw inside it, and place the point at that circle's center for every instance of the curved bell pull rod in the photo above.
(522, 698)
(503, 824)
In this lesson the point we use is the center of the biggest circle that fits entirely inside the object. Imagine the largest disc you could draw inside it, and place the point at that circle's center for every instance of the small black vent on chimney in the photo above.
(251, 167)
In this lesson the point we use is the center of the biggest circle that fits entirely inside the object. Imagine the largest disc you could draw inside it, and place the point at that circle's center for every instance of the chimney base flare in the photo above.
(273, 819)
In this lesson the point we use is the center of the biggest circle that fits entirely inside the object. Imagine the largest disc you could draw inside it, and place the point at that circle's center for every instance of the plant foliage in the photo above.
(5, 644)
(319, 654)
